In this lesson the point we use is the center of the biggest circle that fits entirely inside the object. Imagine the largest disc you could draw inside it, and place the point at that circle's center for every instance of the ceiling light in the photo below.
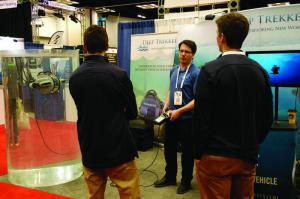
(141, 16)
(103, 10)
(68, 2)
(278, 4)
(74, 2)
(74, 18)
(147, 6)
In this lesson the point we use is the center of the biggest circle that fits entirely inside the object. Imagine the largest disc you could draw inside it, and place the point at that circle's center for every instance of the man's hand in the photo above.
(165, 109)
(175, 114)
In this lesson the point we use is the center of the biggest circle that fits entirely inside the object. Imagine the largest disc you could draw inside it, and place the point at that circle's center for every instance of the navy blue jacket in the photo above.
(105, 101)
(233, 108)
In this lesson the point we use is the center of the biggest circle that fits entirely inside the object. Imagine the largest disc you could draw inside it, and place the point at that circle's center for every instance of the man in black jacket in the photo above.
(105, 102)
(233, 114)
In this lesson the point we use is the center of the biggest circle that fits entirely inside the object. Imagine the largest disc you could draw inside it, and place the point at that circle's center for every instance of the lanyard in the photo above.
(183, 76)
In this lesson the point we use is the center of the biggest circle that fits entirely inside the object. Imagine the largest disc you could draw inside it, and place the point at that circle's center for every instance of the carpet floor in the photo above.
(9, 191)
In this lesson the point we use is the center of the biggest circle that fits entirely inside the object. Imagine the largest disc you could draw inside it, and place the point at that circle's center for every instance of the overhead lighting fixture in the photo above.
(74, 2)
(278, 4)
(74, 18)
(41, 12)
(59, 15)
(147, 6)
(104, 10)
(68, 2)
(141, 16)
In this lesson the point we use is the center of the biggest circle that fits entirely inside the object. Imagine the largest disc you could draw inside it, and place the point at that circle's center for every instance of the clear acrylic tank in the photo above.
(40, 117)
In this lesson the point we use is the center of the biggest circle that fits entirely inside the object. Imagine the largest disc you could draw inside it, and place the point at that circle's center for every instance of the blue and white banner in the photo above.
(271, 28)
(152, 58)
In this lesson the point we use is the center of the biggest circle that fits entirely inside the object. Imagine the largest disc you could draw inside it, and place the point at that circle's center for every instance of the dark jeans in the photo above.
(179, 132)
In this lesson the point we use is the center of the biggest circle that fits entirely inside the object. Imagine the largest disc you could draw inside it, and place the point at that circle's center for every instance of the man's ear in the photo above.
(84, 50)
(223, 38)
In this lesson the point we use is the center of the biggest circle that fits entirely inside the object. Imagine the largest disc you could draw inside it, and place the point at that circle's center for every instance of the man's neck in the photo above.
(226, 49)
(99, 54)
(184, 66)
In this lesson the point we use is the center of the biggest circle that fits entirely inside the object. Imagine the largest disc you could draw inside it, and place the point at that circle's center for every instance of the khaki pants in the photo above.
(221, 177)
(124, 176)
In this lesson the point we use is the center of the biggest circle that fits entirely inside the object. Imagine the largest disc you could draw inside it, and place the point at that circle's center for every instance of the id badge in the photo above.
(178, 98)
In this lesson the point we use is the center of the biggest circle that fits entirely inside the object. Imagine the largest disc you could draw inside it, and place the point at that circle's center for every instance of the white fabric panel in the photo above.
(11, 43)
(200, 14)
(186, 3)
(177, 15)
(173, 22)
(172, 25)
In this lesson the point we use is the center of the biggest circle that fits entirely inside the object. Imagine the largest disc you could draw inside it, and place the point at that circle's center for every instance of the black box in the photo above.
(143, 134)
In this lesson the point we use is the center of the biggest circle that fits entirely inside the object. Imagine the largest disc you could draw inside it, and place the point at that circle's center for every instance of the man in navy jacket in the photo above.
(232, 115)
(105, 101)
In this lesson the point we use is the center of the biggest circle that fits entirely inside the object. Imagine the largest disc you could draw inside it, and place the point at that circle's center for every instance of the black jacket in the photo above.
(233, 108)
(105, 101)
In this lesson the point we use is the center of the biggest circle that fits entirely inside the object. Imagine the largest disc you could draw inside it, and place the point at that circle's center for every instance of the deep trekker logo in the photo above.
(142, 48)
(281, 18)
(155, 44)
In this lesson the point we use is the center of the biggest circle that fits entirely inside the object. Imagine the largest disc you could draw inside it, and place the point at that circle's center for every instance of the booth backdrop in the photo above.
(151, 59)
(125, 31)
(273, 28)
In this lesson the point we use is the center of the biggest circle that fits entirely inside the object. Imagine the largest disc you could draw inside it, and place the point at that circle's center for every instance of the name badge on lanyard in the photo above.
(178, 92)
(178, 98)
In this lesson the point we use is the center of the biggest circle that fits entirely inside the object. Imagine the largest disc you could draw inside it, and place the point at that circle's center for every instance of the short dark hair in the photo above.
(95, 39)
(190, 44)
(235, 28)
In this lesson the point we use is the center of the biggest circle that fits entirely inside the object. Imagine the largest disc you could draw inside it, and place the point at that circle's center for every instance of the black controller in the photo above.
(163, 117)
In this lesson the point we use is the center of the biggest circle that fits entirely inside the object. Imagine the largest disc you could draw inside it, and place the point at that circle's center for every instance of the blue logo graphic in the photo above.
(142, 48)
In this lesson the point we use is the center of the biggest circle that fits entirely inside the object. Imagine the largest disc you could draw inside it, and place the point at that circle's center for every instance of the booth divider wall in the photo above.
(125, 31)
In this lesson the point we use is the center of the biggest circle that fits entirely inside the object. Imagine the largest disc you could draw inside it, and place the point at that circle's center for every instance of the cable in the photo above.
(296, 96)
(47, 146)
(149, 171)
(146, 169)
(156, 155)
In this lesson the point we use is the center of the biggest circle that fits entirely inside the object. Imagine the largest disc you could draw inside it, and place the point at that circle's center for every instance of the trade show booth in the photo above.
(40, 115)
(277, 157)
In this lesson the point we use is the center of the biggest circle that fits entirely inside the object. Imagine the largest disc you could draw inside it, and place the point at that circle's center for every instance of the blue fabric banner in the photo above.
(125, 30)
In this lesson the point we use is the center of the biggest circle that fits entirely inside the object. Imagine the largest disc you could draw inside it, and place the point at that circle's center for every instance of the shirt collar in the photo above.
(94, 57)
(234, 53)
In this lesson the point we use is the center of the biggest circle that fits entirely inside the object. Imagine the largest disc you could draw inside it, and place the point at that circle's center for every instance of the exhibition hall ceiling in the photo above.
(124, 8)
(132, 8)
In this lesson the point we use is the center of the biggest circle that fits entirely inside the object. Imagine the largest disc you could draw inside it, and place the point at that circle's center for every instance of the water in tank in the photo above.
(40, 115)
